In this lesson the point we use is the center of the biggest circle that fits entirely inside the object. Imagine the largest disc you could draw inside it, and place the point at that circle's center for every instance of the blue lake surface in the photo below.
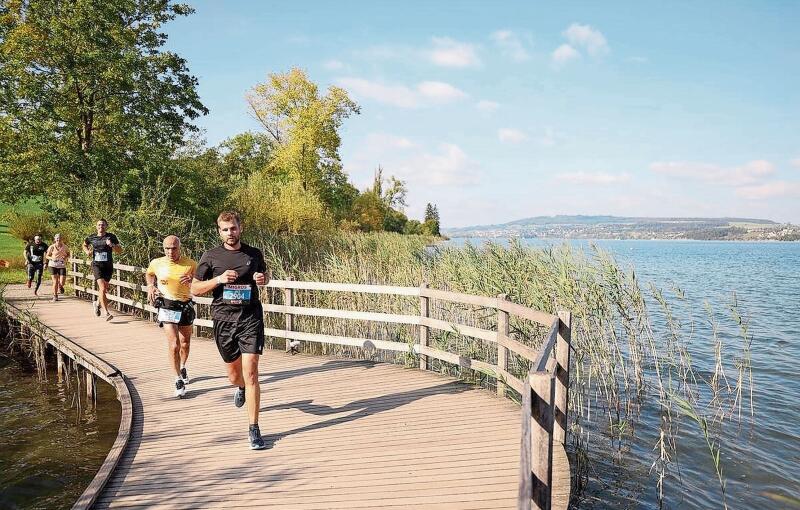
(759, 460)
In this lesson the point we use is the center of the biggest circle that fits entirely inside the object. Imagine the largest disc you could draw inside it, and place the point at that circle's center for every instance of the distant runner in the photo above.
(169, 279)
(233, 271)
(101, 247)
(57, 256)
(34, 258)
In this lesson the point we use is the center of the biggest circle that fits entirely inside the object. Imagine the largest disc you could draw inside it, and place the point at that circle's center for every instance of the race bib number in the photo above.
(101, 256)
(169, 316)
(236, 294)
(58, 263)
(36, 258)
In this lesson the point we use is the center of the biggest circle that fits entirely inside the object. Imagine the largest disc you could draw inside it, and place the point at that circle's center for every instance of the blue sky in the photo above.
(501, 110)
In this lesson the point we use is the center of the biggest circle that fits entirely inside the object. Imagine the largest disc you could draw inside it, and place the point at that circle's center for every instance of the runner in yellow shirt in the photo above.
(168, 288)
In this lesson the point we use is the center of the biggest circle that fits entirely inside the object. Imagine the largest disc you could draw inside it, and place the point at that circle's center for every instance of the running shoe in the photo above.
(61, 288)
(184, 375)
(256, 441)
(109, 316)
(55, 299)
(238, 397)
(180, 388)
(96, 305)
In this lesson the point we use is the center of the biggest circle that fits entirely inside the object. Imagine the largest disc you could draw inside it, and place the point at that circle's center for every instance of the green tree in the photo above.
(431, 222)
(369, 212)
(394, 221)
(303, 126)
(88, 95)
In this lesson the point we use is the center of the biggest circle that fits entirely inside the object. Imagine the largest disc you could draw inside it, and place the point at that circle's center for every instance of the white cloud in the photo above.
(511, 45)
(586, 37)
(333, 65)
(487, 106)
(450, 166)
(597, 178)
(639, 60)
(450, 53)
(795, 162)
(395, 95)
(564, 54)
(750, 173)
(426, 93)
(381, 142)
(774, 189)
(440, 92)
(510, 135)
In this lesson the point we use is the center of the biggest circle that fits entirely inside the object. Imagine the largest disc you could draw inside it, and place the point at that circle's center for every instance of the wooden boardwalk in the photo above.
(345, 434)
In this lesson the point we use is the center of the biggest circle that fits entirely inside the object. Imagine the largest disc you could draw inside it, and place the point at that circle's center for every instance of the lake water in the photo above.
(761, 463)
(49, 452)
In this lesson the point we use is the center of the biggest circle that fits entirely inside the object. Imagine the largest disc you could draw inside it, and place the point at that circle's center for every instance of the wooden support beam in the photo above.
(561, 402)
(502, 351)
(424, 331)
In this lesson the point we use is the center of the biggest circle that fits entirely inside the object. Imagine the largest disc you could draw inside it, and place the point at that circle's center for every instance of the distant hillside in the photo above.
(622, 227)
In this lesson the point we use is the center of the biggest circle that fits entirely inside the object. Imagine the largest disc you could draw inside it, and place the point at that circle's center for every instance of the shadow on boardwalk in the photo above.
(361, 408)
(328, 366)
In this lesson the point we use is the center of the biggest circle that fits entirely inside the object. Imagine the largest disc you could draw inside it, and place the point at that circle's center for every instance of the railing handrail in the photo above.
(544, 389)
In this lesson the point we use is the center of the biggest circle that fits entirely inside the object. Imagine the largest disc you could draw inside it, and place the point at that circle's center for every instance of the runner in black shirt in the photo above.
(34, 258)
(233, 271)
(102, 247)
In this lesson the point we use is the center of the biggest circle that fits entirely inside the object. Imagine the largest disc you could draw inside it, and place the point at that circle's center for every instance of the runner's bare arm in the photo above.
(260, 278)
(201, 287)
(151, 287)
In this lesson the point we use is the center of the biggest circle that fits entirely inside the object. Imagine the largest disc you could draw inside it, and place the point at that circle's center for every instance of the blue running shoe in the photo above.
(238, 397)
(256, 441)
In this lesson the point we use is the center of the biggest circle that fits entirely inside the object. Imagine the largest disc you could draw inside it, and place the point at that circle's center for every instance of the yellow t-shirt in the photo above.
(168, 276)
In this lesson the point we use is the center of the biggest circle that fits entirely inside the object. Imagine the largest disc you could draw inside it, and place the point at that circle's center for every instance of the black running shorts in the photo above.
(102, 271)
(235, 338)
(58, 271)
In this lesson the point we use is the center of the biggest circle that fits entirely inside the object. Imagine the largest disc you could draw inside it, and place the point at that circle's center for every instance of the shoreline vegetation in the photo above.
(639, 228)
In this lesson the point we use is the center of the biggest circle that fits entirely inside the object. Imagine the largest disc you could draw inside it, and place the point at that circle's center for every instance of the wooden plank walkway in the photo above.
(347, 434)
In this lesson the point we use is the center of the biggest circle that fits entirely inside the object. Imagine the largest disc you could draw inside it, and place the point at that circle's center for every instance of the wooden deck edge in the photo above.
(112, 376)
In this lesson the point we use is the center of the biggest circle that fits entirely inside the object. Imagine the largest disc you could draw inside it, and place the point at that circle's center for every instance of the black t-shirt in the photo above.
(237, 300)
(102, 253)
(34, 253)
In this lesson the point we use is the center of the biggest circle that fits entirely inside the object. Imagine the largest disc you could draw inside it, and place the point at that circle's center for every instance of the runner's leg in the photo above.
(40, 270)
(102, 286)
(249, 365)
(173, 348)
(55, 286)
(185, 336)
(235, 372)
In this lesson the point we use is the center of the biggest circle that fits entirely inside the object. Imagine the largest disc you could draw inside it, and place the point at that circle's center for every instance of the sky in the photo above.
(500, 110)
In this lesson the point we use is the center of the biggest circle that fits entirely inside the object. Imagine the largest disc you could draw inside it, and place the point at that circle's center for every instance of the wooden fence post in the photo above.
(525, 474)
(119, 289)
(288, 300)
(502, 351)
(561, 403)
(74, 278)
(60, 365)
(543, 385)
(424, 331)
(90, 389)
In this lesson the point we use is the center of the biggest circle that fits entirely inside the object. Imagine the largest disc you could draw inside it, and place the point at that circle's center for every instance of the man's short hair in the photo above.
(103, 220)
(229, 216)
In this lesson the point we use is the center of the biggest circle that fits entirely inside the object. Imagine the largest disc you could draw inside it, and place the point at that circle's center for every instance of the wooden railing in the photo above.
(544, 390)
